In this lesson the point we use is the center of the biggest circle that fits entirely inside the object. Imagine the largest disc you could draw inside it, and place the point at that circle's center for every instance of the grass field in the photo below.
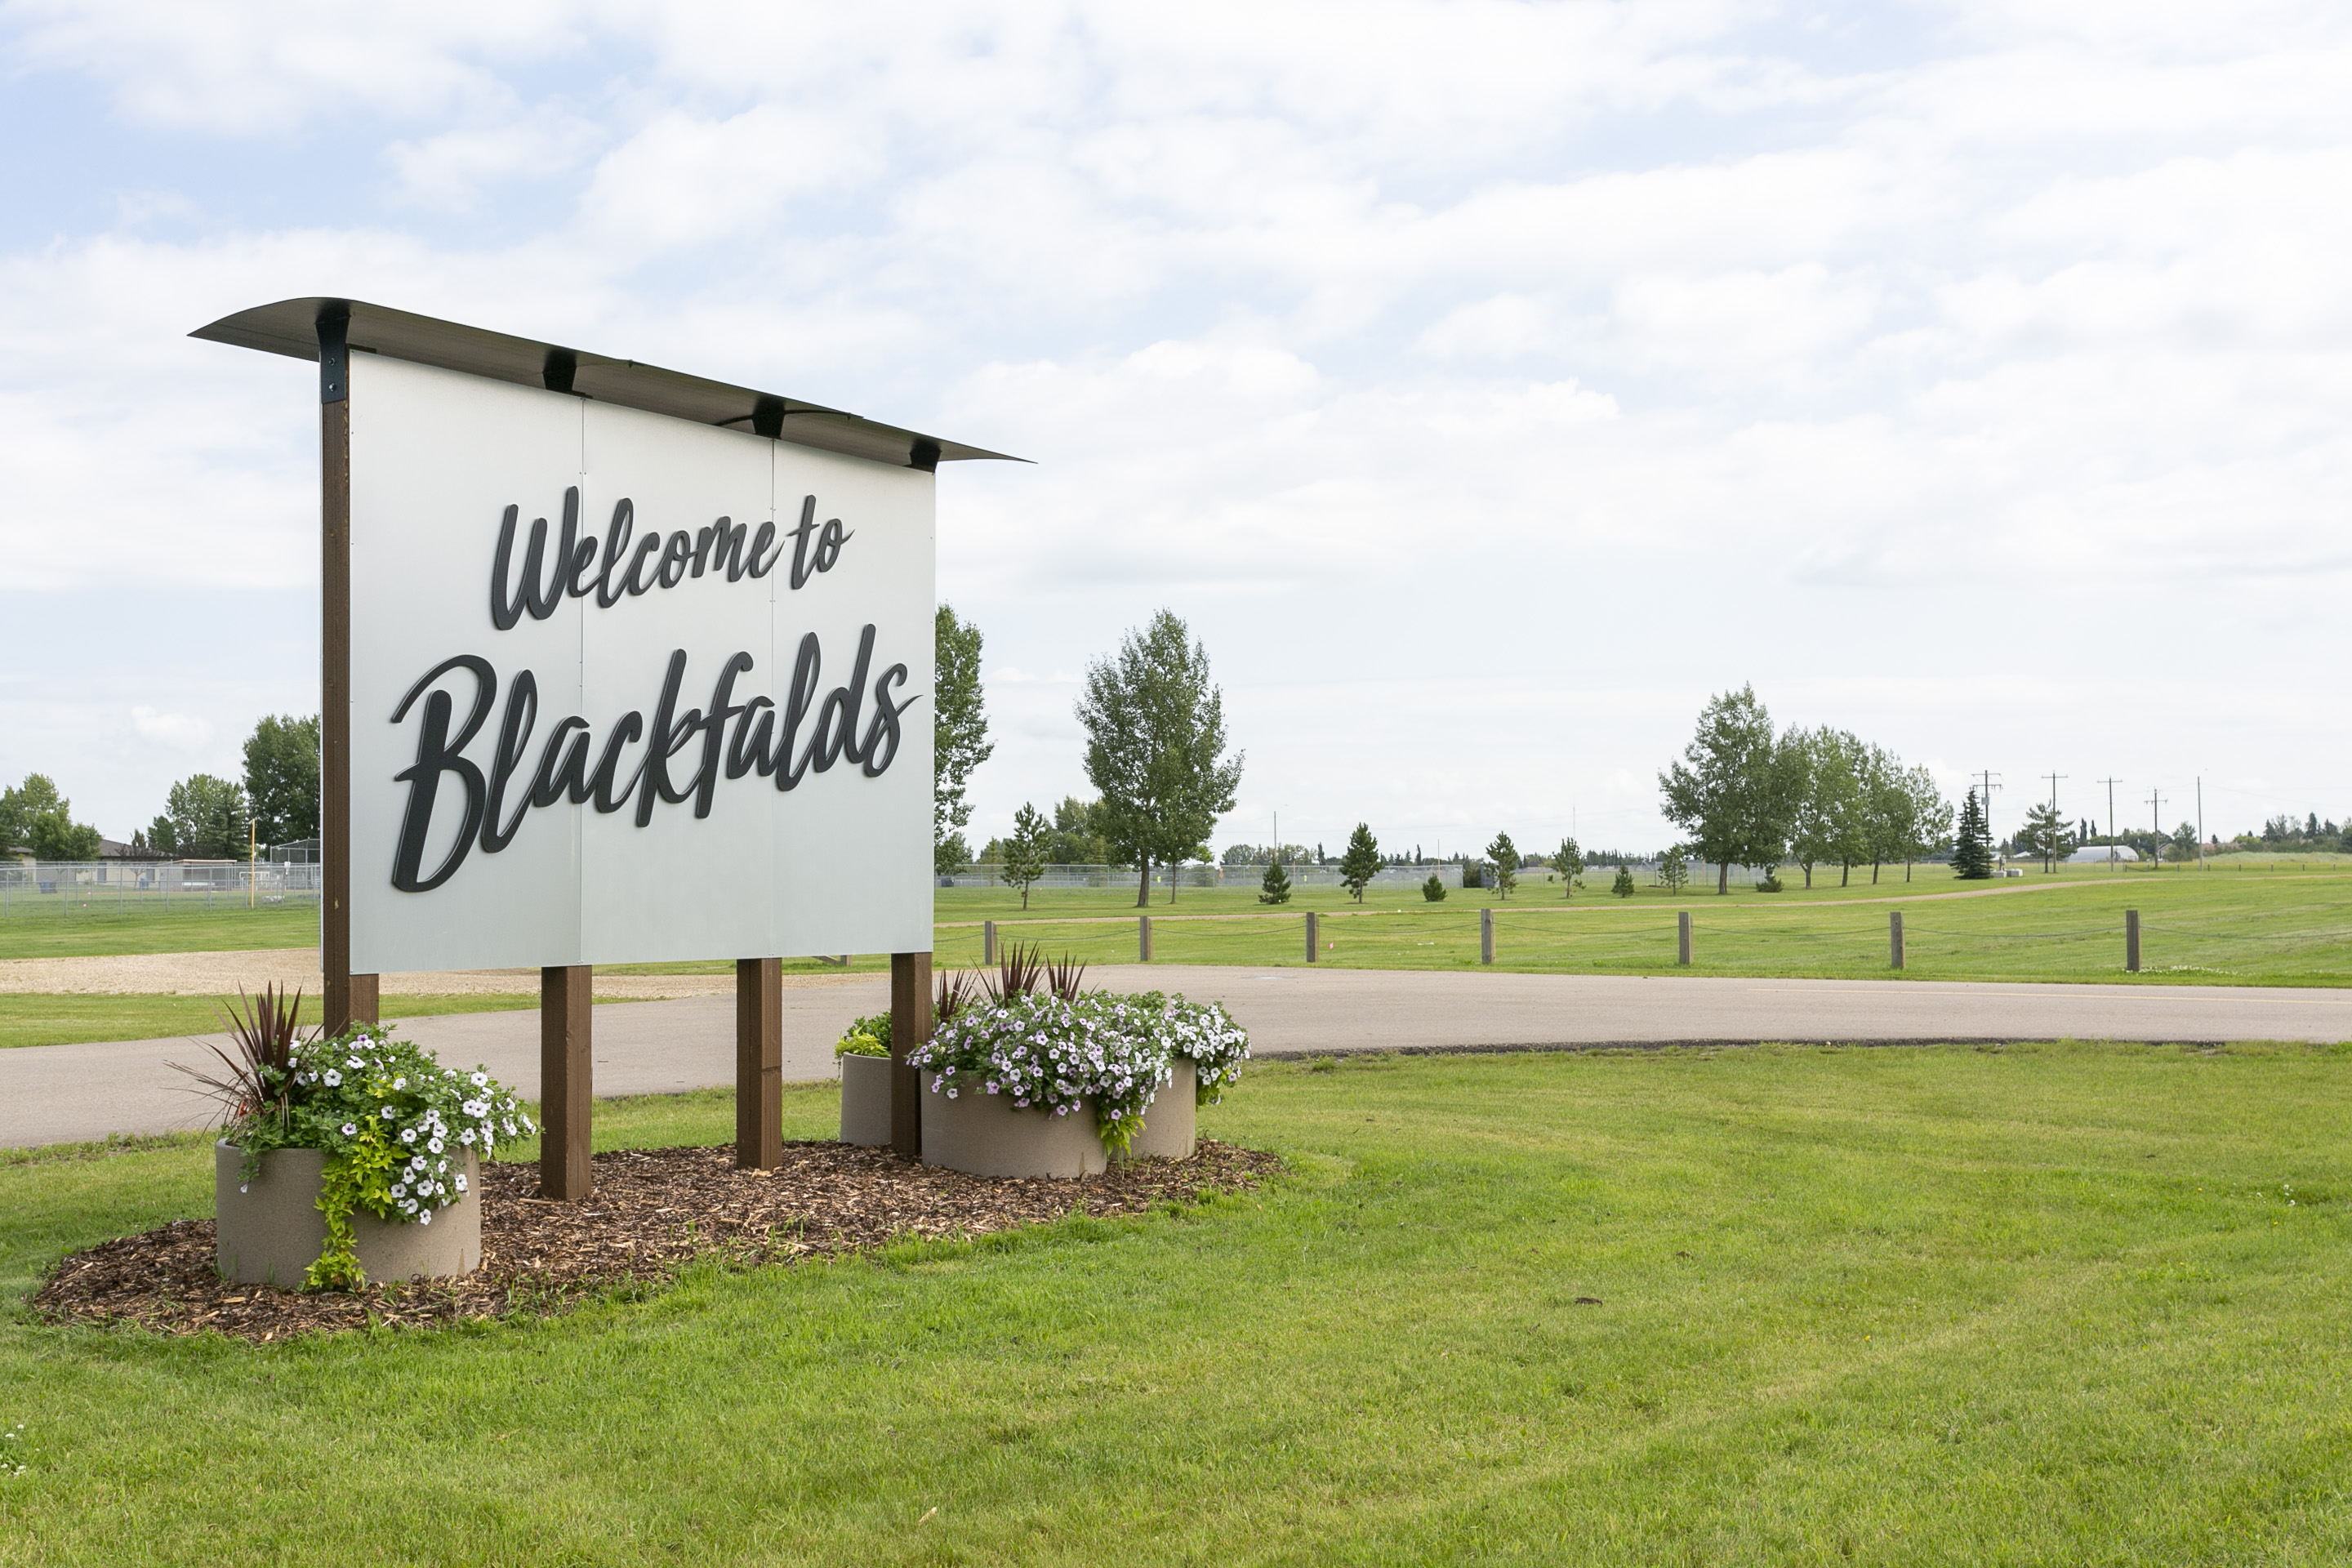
(51, 1018)
(2246, 925)
(1919, 1306)
(2218, 929)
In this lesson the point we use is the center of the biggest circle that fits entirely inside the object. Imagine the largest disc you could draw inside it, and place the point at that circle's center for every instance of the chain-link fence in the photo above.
(60, 890)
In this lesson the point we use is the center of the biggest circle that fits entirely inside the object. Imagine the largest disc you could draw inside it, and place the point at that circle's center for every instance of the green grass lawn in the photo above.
(51, 1018)
(2216, 929)
(1916, 1306)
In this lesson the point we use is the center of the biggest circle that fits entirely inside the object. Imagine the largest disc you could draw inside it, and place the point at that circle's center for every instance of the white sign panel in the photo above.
(627, 689)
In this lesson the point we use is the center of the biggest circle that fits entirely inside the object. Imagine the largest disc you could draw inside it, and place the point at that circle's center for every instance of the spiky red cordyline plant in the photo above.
(1062, 977)
(1019, 971)
(265, 1029)
(958, 990)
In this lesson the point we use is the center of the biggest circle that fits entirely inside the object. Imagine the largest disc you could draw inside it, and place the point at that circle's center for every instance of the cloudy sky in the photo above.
(1487, 383)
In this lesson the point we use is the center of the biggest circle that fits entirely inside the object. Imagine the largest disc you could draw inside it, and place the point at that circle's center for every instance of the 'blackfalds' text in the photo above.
(766, 740)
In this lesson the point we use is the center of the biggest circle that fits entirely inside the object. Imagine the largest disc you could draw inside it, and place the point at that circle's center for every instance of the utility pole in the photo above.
(1987, 775)
(2112, 859)
(2201, 822)
(2053, 779)
(2156, 820)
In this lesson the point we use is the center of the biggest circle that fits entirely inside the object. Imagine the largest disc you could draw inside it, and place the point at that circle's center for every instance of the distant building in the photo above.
(2100, 854)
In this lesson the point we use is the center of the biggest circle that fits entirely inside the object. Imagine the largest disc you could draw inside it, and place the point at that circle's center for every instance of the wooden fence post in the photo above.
(1143, 938)
(1682, 937)
(1486, 936)
(1311, 937)
(2131, 940)
(1894, 940)
(988, 942)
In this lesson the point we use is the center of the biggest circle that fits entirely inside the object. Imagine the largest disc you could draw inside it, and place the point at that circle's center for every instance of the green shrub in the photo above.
(1434, 889)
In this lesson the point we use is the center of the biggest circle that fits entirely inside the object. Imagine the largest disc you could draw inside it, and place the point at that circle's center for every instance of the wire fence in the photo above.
(1854, 944)
(986, 874)
(62, 889)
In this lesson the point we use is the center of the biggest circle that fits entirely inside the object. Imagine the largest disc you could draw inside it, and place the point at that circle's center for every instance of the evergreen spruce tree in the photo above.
(1361, 861)
(1434, 889)
(1623, 885)
(1275, 888)
(1972, 854)
(1506, 856)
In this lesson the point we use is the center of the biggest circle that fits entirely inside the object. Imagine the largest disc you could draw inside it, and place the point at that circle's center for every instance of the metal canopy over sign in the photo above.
(618, 664)
(290, 327)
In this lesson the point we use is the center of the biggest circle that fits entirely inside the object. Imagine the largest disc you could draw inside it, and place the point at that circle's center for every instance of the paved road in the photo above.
(57, 1093)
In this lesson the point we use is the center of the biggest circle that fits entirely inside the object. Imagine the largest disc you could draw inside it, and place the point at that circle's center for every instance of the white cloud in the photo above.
(180, 732)
(1489, 382)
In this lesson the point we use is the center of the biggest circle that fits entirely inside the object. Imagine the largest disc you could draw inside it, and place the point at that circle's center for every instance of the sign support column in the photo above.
(910, 1024)
(350, 998)
(759, 1063)
(567, 995)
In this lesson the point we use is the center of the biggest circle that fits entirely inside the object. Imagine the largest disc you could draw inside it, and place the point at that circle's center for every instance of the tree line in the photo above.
(203, 818)
(1746, 795)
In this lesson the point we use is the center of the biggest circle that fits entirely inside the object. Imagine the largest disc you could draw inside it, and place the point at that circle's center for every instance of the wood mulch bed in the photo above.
(653, 1212)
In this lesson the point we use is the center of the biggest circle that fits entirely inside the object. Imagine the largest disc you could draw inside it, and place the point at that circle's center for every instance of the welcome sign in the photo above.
(639, 665)
(607, 706)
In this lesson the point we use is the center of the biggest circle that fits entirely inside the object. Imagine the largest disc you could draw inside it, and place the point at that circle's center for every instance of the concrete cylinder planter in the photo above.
(986, 1135)
(1170, 1126)
(864, 1100)
(271, 1232)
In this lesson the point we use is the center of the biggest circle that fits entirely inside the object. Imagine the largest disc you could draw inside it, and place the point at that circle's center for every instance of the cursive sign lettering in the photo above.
(633, 566)
(489, 819)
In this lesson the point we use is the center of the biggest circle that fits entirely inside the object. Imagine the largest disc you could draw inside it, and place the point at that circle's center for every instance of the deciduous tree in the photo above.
(1728, 792)
(958, 736)
(207, 817)
(281, 778)
(1155, 748)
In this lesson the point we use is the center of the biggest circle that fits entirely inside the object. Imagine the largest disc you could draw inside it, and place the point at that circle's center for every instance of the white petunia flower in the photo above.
(424, 1218)
(461, 1181)
(385, 1113)
(350, 1128)
(466, 1137)
(481, 1080)
(399, 1083)
(434, 1145)
(334, 1079)
(408, 1134)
